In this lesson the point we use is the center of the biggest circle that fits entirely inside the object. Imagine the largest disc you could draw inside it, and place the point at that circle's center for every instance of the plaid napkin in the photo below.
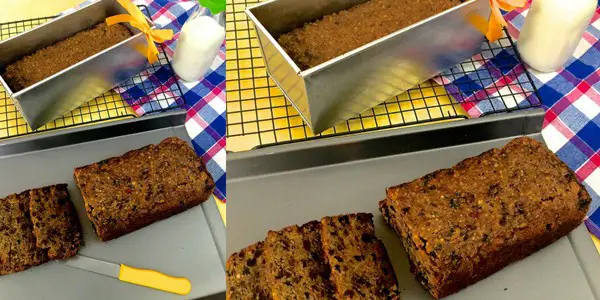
(570, 96)
(205, 99)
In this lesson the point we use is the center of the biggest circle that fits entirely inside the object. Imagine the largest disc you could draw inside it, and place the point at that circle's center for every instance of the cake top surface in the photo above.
(499, 198)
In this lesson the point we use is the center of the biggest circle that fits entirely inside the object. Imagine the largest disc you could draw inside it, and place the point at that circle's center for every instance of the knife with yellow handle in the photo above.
(143, 277)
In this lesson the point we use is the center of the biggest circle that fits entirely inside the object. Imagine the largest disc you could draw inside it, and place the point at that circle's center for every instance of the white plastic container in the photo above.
(197, 46)
(552, 31)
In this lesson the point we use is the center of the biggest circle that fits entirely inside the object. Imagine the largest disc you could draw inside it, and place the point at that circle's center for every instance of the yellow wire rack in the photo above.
(107, 107)
(258, 113)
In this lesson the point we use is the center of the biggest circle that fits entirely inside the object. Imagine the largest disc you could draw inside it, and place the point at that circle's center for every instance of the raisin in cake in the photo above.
(360, 266)
(18, 250)
(246, 274)
(55, 223)
(295, 263)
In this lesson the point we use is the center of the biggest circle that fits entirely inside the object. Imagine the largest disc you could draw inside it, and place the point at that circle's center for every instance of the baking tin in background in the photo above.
(190, 244)
(79, 83)
(350, 173)
(259, 115)
(343, 87)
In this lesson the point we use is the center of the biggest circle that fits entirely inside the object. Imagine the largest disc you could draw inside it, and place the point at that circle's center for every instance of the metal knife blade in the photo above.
(93, 265)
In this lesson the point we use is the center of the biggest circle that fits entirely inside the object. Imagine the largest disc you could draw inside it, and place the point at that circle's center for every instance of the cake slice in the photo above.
(18, 249)
(246, 274)
(55, 223)
(360, 266)
(462, 224)
(295, 263)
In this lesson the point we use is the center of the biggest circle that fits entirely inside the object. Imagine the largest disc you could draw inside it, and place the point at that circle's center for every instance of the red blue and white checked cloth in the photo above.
(205, 99)
(570, 96)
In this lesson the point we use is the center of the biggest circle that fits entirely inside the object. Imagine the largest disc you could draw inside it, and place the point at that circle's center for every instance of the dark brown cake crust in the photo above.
(295, 263)
(246, 274)
(18, 249)
(462, 224)
(123, 194)
(341, 32)
(360, 266)
(55, 223)
(55, 58)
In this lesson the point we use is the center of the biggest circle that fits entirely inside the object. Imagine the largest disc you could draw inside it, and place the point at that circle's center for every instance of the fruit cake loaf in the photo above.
(18, 249)
(55, 223)
(338, 33)
(123, 194)
(462, 224)
(50, 60)
(246, 274)
(360, 266)
(295, 263)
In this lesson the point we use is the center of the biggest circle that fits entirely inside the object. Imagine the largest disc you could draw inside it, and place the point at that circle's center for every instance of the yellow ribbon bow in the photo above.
(137, 19)
(493, 28)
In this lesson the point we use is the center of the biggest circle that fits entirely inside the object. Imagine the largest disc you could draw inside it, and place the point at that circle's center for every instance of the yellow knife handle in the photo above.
(155, 280)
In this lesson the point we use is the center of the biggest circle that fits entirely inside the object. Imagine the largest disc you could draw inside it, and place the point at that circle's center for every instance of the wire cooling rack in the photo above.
(259, 115)
(109, 106)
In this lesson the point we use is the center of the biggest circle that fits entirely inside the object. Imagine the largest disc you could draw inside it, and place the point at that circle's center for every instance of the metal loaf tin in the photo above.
(79, 83)
(347, 85)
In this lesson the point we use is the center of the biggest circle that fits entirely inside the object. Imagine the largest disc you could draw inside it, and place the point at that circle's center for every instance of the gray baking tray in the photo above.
(307, 181)
(190, 244)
